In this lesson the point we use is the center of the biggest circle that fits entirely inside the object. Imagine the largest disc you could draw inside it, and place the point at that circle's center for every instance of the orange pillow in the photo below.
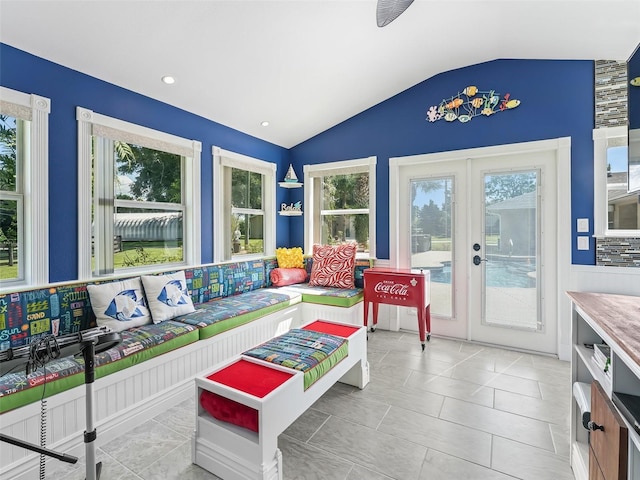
(333, 265)
(281, 277)
(289, 257)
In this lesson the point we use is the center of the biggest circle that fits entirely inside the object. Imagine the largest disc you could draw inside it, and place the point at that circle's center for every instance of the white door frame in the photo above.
(562, 148)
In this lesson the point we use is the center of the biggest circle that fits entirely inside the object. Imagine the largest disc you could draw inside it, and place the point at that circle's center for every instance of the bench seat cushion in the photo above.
(223, 314)
(137, 345)
(314, 353)
(338, 297)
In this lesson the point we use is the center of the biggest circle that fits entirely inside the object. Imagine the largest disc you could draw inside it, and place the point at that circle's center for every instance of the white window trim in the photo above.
(221, 222)
(603, 138)
(340, 168)
(87, 120)
(35, 257)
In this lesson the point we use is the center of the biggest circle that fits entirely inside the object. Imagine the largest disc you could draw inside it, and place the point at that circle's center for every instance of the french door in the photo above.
(485, 229)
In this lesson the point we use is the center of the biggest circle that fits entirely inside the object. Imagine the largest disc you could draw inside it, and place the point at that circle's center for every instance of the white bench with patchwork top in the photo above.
(246, 403)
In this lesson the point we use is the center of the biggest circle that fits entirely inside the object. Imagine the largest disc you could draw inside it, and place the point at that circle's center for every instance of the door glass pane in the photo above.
(432, 238)
(510, 272)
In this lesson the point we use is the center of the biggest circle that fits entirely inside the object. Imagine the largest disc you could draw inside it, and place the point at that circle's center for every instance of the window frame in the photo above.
(223, 161)
(32, 190)
(90, 124)
(603, 138)
(312, 218)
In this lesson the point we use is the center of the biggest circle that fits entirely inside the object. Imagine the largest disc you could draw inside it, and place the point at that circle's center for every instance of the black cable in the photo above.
(41, 352)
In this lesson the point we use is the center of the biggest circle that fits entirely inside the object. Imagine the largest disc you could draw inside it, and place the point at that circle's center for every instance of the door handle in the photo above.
(477, 260)
(593, 426)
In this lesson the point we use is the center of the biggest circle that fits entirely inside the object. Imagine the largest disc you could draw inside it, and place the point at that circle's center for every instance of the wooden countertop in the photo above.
(617, 315)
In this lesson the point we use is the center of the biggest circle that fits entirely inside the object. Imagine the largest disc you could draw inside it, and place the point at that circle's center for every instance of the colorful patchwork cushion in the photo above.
(167, 295)
(240, 277)
(339, 297)
(226, 313)
(290, 257)
(333, 265)
(119, 305)
(137, 345)
(314, 353)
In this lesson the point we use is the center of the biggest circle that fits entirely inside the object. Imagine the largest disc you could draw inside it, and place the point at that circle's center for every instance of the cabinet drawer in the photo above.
(609, 446)
(594, 469)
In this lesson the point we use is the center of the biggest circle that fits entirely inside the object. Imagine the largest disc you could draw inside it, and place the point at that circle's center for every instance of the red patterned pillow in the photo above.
(333, 265)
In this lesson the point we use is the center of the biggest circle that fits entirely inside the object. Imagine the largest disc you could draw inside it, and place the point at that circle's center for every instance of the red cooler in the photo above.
(397, 286)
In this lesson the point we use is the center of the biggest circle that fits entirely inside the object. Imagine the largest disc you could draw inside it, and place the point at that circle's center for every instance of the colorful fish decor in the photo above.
(174, 293)
(127, 305)
(469, 103)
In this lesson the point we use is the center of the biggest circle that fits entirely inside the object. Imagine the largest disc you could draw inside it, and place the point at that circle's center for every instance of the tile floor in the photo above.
(456, 411)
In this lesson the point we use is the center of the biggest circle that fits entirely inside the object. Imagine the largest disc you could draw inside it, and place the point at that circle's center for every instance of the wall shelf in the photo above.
(290, 184)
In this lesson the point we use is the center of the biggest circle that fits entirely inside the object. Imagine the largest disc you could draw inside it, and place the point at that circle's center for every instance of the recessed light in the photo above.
(265, 124)
(168, 79)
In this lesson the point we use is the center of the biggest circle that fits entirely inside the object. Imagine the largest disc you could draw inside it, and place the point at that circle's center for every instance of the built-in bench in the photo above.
(236, 307)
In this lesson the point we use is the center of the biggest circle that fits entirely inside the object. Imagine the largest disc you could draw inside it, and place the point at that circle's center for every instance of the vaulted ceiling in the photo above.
(303, 65)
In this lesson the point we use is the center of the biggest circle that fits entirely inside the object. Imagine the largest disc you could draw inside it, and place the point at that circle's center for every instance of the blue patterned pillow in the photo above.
(119, 305)
(167, 295)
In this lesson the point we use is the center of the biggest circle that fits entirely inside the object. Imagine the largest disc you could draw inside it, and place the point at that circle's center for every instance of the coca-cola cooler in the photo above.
(397, 286)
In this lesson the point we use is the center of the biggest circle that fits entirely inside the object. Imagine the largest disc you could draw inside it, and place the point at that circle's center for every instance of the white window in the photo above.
(340, 204)
(24, 189)
(139, 197)
(244, 210)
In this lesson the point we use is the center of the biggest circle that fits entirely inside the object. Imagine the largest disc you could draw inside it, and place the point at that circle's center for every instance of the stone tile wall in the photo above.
(611, 93)
(611, 111)
(618, 252)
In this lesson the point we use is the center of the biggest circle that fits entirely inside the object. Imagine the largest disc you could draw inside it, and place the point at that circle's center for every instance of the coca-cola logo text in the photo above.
(391, 288)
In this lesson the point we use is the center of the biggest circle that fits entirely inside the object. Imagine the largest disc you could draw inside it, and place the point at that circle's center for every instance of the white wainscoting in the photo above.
(622, 280)
(353, 315)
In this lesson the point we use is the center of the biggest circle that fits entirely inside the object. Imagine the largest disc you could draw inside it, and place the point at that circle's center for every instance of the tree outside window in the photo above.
(340, 200)
(10, 198)
(247, 213)
(345, 209)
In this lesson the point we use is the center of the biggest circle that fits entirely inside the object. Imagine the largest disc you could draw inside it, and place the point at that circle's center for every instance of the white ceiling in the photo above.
(303, 65)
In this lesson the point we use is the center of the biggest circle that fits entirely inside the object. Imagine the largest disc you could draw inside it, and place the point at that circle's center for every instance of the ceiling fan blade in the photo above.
(388, 10)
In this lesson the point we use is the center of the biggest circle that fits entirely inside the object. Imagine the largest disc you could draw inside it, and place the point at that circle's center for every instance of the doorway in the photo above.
(484, 226)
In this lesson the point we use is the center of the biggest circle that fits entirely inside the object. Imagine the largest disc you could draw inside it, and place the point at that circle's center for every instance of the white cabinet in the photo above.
(615, 320)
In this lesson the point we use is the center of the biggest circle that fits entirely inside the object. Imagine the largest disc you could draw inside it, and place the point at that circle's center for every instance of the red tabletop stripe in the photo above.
(331, 328)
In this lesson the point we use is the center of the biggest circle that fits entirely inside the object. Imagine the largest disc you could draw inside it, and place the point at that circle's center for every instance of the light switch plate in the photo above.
(583, 243)
(583, 225)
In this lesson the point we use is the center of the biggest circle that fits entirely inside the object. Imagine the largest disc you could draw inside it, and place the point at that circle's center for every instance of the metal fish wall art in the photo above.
(469, 103)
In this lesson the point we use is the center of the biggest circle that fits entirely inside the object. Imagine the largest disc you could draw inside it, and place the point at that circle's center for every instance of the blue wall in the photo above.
(67, 89)
(557, 100)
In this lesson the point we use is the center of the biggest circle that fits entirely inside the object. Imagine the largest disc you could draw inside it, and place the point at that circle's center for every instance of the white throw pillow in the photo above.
(119, 305)
(167, 295)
